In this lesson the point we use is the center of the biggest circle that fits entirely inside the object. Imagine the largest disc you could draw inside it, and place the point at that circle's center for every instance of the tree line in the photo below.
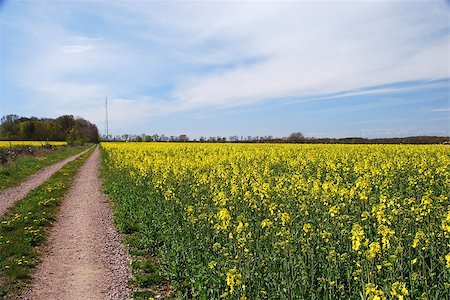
(294, 138)
(65, 128)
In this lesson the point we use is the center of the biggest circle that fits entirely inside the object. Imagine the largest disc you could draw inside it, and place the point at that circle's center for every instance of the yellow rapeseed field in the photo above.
(7, 144)
(239, 221)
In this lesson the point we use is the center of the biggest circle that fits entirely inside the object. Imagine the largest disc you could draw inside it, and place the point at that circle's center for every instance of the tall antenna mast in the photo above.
(106, 110)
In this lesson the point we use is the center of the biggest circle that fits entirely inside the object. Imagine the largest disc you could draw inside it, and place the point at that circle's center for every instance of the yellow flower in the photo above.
(373, 293)
(240, 227)
(386, 233)
(357, 236)
(446, 223)
(272, 208)
(212, 264)
(334, 210)
(307, 227)
(420, 236)
(399, 290)
(447, 260)
(325, 235)
(374, 248)
(224, 218)
(365, 215)
(285, 218)
(266, 223)
(233, 278)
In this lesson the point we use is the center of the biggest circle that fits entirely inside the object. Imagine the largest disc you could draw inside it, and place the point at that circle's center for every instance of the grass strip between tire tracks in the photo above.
(26, 225)
(19, 168)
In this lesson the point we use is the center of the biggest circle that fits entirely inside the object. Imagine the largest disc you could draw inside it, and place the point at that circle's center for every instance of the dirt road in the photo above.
(10, 196)
(85, 259)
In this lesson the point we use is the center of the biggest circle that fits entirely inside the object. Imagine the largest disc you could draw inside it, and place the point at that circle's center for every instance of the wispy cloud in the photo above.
(398, 88)
(439, 109)
(76, 48)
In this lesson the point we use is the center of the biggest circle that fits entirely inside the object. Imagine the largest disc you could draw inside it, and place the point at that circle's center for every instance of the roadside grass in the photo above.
(25, 228)
(15, 171)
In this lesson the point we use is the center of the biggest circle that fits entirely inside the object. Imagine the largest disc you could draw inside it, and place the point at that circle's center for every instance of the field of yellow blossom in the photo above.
(8, 144)
(241, 221)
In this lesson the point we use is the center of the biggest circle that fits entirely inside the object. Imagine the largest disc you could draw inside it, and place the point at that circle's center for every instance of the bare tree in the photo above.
(296, 137)
(183, 138)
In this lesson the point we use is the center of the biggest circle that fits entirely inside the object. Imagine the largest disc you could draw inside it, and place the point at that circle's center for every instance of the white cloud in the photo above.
(319, 48)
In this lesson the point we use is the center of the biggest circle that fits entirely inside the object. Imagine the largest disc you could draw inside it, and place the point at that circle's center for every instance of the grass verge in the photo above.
(25, 227)
(22, 166)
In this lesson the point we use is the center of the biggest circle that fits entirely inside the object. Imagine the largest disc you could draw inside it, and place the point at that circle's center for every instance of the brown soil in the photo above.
(85, 258)
(11, 195)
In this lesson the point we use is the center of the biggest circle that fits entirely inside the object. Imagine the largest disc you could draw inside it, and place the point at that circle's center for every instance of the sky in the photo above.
(324, 68)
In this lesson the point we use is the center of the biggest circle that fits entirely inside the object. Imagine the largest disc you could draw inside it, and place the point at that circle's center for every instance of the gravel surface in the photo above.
(11, 195)
(85, 258)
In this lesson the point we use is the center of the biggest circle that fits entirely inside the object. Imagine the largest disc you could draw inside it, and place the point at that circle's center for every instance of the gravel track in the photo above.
(85, 258)
(11, 195)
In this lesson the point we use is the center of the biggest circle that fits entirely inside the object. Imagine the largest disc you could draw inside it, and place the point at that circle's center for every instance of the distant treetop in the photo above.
(65, 128)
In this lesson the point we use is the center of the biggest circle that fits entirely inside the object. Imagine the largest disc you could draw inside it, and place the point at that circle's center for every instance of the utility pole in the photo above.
(106, 110)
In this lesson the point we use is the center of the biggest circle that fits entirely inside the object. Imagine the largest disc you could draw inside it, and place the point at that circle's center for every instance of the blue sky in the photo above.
(336, 68)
